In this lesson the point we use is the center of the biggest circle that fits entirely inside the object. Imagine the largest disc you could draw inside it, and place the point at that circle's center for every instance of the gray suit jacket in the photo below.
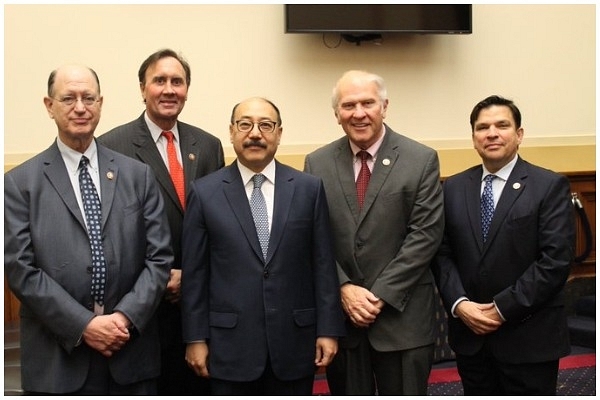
(388, 246)
(47, 262)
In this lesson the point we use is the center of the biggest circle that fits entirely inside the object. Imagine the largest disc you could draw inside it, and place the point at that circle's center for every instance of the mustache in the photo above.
(254, 143)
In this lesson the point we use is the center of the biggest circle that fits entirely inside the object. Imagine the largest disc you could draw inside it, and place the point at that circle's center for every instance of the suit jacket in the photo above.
(47, 261)
(202, 153)
(250, 310)
(387, 247)
(522, 266)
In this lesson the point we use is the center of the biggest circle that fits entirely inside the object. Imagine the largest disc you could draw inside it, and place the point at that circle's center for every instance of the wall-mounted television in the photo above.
(378, 18)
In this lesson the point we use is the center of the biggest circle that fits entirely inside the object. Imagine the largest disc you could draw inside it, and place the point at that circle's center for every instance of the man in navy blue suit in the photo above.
(259, 320)
(504, 291)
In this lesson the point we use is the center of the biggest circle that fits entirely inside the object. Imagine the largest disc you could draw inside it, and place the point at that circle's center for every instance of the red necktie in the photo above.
(175, 169)
(363, 178)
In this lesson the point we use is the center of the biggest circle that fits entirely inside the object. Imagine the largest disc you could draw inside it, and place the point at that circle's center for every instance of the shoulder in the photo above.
(405, 144)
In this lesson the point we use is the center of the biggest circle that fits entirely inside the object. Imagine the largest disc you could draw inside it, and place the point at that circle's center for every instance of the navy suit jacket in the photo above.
(523, 266)
(47, 261)
(247, 309)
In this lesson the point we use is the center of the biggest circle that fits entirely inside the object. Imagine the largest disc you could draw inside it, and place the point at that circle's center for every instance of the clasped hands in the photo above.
(482, 319)
(107, 333)
(360, 305)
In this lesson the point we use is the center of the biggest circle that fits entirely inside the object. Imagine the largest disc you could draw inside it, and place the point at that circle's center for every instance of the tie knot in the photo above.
(258, 180)
(363, 155)
(84, 162)
(489, 178)
(169, 135)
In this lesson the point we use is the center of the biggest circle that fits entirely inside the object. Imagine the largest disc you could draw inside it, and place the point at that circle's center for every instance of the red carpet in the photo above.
(442, 375)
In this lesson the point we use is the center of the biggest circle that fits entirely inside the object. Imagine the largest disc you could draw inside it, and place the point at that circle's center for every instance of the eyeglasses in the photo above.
(70, 100)
(245, 126)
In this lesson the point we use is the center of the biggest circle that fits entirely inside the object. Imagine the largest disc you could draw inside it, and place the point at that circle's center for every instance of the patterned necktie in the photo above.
(363, 178)
(259, 213)
(487, 206)
(175, 169)
(93, 217)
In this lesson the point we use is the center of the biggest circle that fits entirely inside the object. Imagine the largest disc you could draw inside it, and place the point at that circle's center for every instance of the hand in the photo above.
(173, 292)
(326, 350)
(480, 318)
(361, 306)
(107, 333)
(196, 356)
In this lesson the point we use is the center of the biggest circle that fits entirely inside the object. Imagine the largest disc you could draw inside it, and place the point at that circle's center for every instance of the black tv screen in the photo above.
(378, 18)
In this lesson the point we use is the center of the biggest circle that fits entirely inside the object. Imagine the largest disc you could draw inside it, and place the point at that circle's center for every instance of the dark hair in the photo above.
(154, 57)
(52, 78)
(262, 98)
(495, 100)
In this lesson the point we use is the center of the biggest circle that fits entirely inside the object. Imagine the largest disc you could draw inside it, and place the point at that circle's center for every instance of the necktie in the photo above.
(487, 206)
(363, 178)
(93, 216)
(175, 169)
(259, 213)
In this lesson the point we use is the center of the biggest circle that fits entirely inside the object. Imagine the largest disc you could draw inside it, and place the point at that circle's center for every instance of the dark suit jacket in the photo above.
(388, 246)
(202, 153)
(523, 266)
(247, 309)
(47, 262)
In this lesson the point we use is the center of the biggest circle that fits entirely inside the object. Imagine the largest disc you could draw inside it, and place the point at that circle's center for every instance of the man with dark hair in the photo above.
(504, 262)
(178, 153)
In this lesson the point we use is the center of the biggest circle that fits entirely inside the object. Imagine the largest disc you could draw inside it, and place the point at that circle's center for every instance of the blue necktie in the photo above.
(487, 206)
(259, 213)
(93, 217)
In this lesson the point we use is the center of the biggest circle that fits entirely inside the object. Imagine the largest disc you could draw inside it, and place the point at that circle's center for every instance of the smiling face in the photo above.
(164, 91)
(360, 109)
(496, 136)
(76, 122)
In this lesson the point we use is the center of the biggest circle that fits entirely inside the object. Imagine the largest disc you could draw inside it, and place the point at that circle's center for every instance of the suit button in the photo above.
(89, 269)
(266, 274)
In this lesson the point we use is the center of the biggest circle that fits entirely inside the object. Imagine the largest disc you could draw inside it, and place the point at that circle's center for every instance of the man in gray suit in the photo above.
(72, 340)
(383, 246)
(164, 79)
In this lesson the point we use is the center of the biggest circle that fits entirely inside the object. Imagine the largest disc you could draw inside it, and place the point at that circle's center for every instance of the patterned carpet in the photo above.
(576, 377)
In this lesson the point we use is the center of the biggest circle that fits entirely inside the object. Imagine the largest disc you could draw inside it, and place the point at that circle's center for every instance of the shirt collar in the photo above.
(247, 173)
(504, 172)
(373, 150)
(156, 131)
(73, 157)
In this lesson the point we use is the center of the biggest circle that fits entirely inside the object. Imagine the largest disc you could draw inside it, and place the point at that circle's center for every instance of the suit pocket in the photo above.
(222, 319)
(305, 317)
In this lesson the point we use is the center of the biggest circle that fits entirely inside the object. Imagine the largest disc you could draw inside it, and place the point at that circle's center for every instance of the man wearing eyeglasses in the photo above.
(261, 309)
(167, 145)
(87, 252)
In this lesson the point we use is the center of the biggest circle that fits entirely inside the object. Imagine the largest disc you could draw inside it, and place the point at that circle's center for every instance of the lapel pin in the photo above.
(516, 185)
(110, 175)
(191, 156)
(386, 161)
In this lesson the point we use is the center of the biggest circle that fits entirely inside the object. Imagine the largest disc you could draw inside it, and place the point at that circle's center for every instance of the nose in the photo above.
(79, 106)
(359, 111)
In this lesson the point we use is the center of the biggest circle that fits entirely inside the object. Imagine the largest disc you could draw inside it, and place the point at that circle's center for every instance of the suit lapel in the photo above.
(284, 192)
(515, 185)
(473, 201)
(108, 173)
(148, 154)
(345, 171)
(238, 201)
(57, 174)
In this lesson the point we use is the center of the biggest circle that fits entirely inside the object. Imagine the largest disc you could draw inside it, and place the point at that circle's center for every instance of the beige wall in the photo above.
(542, 56)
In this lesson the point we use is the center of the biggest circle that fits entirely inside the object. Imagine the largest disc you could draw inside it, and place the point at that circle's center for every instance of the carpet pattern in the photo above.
(576, 377)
